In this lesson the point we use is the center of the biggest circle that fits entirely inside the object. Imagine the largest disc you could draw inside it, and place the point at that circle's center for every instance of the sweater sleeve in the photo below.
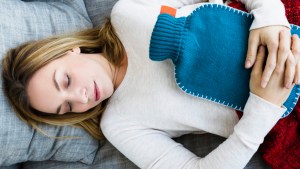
(266, 13)
(150, 148)
(258, 119)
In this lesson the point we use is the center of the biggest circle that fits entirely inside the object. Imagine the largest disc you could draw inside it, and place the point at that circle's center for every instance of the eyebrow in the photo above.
(57, 87)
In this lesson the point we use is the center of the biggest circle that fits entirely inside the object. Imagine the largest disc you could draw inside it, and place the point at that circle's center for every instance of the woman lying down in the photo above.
(104, 77)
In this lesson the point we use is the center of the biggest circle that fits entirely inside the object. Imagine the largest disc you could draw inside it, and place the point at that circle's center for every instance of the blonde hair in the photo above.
(22, 62)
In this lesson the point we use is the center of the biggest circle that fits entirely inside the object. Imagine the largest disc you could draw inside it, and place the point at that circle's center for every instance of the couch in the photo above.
(23, 146)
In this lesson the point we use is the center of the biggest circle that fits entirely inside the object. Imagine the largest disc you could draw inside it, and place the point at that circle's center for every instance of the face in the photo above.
(75, 83)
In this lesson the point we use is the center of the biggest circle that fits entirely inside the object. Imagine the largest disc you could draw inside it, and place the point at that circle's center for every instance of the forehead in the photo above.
(41, 90)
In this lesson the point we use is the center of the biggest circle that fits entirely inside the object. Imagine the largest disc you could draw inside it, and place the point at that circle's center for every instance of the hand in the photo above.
(275, 92)
(277, 40)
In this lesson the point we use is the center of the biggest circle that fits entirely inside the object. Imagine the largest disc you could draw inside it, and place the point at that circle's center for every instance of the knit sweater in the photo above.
(201, 45)
(148, 108)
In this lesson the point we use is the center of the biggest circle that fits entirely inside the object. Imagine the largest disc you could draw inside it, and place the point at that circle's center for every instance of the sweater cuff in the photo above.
(266, 16)
(258, 119)
(166, 37)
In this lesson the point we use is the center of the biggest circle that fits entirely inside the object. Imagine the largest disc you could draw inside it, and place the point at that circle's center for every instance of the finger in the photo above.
(253, 44)
(259, 63)
(289, 71)
(284, 48)
(297, 74)
(296, 46)
(285, 57)
(296, 52)
(270, 64)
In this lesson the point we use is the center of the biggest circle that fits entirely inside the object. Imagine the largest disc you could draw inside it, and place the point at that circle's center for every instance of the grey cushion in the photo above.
(109, 158)
(98, 10)
(19, 22)
(14, 166)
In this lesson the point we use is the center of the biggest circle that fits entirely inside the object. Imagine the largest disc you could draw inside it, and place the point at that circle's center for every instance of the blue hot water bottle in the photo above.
(208, 49)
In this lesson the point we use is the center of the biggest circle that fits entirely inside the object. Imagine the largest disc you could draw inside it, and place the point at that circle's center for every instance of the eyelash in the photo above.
(70, 107)
(69, 80)
(68, 84)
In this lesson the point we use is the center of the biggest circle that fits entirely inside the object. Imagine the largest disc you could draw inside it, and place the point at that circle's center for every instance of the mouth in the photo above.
(96, 91)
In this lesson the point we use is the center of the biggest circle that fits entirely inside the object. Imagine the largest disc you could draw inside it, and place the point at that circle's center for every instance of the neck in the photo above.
(119, 72)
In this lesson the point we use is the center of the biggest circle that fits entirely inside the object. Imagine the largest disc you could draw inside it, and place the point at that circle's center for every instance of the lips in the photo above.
(96, 91)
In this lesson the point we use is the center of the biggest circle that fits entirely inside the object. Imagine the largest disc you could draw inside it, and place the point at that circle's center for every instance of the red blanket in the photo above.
(281, 147)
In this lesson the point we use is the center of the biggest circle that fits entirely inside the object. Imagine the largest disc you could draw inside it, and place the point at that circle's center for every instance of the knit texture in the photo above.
(207, 64)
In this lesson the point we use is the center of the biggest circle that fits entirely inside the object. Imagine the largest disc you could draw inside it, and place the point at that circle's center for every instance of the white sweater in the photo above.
(148, 109)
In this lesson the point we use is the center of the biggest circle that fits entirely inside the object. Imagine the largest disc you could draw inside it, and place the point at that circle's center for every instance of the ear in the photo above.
(76, 50)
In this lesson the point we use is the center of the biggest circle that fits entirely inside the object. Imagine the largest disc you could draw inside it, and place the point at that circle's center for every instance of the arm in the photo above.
(149, 148)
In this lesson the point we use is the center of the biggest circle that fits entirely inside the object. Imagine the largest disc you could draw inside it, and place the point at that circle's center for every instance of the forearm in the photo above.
(150, 148)
(258, 119)
(266, 13)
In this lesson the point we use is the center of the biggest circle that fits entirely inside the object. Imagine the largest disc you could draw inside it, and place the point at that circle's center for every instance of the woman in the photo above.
(22, 62)
(77, 73)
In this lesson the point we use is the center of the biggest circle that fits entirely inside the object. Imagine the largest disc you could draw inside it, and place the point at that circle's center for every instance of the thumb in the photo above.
(260, 60)
(253, 44)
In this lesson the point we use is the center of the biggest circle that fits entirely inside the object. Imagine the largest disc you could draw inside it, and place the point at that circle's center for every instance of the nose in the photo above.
(79, 95)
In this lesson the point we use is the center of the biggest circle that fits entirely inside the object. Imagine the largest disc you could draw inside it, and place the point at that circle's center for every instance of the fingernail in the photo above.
(247, 64)
(288, 85)
(263, 84)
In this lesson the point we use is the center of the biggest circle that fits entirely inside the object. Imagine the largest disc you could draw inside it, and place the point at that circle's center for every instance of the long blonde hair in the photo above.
(22, 62)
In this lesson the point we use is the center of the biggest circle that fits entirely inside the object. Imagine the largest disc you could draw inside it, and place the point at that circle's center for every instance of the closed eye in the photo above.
(70, 107)
(68, 80)
(68, 84)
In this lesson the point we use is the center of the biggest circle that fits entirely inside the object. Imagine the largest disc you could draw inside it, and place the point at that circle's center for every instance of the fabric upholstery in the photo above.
(98, 10)
(14, 166)
(109, 158)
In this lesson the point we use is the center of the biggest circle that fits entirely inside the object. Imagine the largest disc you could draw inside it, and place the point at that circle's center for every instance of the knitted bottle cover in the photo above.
(208, 49)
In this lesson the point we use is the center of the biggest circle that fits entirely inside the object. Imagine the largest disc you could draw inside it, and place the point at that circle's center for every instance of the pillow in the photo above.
(19, 22)
(98, 10)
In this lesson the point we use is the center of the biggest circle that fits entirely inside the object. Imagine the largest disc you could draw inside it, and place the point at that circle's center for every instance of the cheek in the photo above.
(84, 108)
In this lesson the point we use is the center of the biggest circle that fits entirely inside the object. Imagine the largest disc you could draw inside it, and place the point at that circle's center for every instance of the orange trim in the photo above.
(168, 10)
